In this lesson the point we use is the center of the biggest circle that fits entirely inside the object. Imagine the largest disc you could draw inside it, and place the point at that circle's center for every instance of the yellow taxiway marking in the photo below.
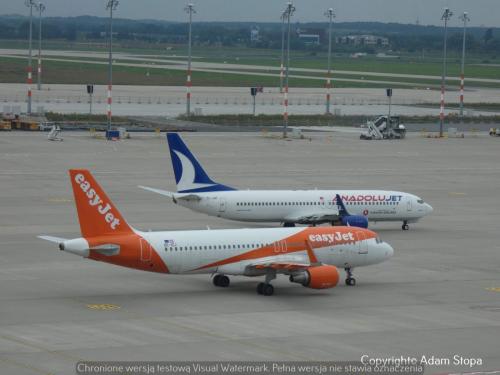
(59, 200)
(103, 306)
(454, 193)
(493, 289)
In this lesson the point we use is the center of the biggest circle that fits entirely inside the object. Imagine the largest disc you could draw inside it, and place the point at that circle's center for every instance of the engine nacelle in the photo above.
(355, 221)
(321, 277)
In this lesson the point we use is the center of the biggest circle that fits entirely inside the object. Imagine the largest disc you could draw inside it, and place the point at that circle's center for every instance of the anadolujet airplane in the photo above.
(198, 192)
(308, 255)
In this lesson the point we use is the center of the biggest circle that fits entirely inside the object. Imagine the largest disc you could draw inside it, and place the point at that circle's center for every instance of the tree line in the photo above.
(403, 38)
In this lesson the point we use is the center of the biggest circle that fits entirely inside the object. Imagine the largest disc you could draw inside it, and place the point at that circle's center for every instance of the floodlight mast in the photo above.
(331, 15)
(190, 10)
(282, 65)
(30, 4)
(465, 18)
(289, 10)
(41, 9)
(111, 6)
(446, 17)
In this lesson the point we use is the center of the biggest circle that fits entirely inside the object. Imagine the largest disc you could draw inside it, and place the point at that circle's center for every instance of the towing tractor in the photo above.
(380, 129)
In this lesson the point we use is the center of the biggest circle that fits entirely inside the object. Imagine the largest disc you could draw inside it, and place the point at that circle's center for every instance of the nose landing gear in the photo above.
(405, 225)
(351, 281)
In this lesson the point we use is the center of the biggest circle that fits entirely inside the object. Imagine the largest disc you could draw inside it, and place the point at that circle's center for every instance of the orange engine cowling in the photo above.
(320, 277)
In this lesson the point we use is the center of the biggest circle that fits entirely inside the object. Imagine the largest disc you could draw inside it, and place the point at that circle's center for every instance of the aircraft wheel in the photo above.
(405, 227)
(224, 281)
(260, 287)
(216, 280)
(351, 281)
(221, 281)
(267, 290)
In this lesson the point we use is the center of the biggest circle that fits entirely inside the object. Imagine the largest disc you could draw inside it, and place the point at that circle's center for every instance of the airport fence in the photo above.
(205, 100)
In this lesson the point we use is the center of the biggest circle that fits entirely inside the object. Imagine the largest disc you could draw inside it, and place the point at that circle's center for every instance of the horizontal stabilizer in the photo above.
(158, 191)
(52, 238)
(174, 196)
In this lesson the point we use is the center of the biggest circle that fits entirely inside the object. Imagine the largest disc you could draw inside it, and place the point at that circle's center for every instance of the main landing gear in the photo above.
(288, 225)
(351, 281)
(405, 225)
(265, 288)
(221, 281)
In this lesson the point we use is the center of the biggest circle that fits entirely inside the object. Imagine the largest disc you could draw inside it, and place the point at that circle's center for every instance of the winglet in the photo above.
(189, 174)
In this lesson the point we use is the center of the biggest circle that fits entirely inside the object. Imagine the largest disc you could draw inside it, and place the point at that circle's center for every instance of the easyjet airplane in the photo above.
(197, 191)
(309, 256)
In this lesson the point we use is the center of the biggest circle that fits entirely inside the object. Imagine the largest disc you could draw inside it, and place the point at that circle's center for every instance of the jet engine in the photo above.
(355, 221)
(320, 277)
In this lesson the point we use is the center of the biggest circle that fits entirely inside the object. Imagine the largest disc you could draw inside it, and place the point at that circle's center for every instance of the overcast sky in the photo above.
(427, 12)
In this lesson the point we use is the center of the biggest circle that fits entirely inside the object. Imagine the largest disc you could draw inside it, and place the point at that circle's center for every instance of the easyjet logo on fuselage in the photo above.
(96, 201)
(332, 238)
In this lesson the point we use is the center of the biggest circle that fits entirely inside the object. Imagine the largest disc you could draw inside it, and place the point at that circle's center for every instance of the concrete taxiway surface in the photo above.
(439, 295)
(170, 100)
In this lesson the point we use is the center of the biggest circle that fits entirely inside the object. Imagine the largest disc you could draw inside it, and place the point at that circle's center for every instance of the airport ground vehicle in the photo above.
(495, 132)
(381, 129)
(309, 256)
(197, 191)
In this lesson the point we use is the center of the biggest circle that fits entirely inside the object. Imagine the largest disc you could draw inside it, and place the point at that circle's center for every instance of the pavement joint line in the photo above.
(22, 365)
(227, 338)
(40, 347)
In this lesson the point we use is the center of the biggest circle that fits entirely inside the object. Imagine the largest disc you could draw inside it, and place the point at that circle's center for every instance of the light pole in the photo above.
(111, 6)
(30, 4)
(289, 10)
(41, 9)
(331, 15)
(189, 10)
(465, 18)
(282, 73)
(446, 17)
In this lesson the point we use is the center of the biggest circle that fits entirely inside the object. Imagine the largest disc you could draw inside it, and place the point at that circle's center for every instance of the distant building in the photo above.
(310, 39)
(363, 40)
(255, 34)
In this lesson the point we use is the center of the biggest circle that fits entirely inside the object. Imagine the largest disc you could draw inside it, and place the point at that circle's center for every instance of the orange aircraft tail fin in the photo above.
(96, 213)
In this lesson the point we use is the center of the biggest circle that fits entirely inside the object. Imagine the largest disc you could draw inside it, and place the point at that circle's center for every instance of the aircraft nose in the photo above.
(389, 251)
(428, 208)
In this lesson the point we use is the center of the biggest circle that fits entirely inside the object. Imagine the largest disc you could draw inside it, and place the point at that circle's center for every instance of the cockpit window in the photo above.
(378, 240)
(421, 201)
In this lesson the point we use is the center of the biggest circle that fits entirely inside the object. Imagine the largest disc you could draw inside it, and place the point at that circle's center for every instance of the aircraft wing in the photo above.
(170, 194)
(281, 263)
(314, 217)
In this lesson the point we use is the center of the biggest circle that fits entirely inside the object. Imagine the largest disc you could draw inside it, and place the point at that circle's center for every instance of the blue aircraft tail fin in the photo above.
(189, 174)
(342, 210)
